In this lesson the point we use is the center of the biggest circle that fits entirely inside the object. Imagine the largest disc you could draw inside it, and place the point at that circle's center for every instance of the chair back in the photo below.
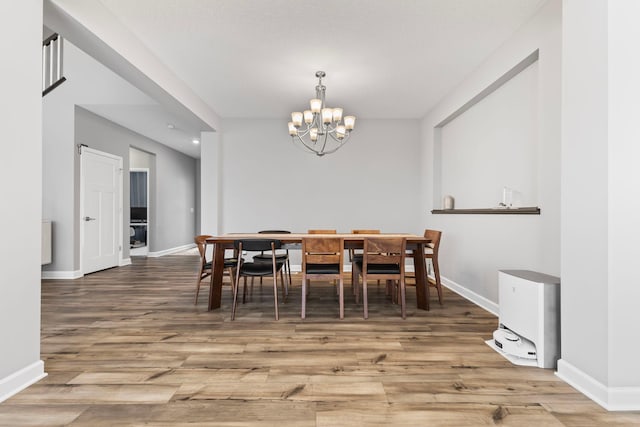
(318, 231)
(364, 231)
(322, 250)
(256, 245)
(384, 250)
(358, 252)
(434, 237)
(201, 243)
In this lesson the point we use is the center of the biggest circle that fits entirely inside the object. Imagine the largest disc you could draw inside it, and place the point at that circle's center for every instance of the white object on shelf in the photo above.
(447, 202)
(530, 308)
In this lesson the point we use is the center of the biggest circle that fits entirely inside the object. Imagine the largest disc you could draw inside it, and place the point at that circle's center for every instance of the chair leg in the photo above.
(244, 290)
(275, 294)
(403, 306)
(198, 288)
(389, 290)
(234, 303)
(365, 301)
(436, 273)
(288, 265)
(341, 297)
(355, 283)
(303, 310)
(231, 278)
(285, 290)
(353, 279)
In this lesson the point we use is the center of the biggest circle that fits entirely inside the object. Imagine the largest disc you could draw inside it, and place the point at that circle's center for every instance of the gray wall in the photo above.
(270, 183)
(266, 182)
(172, 178)
(21, 195)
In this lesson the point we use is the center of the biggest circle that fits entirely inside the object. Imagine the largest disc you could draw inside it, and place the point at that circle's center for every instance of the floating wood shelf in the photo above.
(491, 211)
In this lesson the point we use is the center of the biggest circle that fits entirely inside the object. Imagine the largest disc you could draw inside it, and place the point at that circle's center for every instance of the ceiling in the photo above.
(383, 58)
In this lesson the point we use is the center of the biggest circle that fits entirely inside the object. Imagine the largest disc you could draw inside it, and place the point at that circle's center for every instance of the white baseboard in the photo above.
(610, 398)
(22, 379)
(125, 261)
(61, 275)
(468, 294)
(171, 250)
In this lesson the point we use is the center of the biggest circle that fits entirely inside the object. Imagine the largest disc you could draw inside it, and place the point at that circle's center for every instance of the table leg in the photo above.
(422, 284)
(215, 287)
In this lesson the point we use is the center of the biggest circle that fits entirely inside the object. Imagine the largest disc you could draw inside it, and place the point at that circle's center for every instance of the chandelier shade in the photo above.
(325, 129)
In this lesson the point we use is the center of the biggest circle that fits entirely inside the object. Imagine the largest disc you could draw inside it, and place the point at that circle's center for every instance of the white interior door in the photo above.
(100, 210)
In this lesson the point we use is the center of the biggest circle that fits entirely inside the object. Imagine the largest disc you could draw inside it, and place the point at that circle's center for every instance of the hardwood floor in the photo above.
(127, 347)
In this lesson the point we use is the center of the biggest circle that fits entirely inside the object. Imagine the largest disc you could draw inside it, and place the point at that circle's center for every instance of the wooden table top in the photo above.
(297, 237)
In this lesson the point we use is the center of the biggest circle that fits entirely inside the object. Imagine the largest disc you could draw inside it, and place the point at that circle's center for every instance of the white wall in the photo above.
(210, 182)
(268, 183)
(140, 159)
(60, 174)
(601, 86)
(173, 223)
(624, 177)
(21, 195)
(584, 185)
(475, 247)
(493, 145)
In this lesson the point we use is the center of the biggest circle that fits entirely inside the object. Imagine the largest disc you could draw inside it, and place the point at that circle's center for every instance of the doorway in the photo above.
(100, 210)
(139, 215)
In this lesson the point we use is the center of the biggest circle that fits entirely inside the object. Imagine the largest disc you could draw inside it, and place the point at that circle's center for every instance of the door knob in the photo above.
(88, 218)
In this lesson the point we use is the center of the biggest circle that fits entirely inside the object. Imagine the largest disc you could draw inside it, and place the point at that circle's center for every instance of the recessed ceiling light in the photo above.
(171, 126)
(195, 141)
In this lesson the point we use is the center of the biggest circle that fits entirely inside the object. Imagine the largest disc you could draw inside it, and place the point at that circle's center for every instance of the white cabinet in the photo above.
(530, 307)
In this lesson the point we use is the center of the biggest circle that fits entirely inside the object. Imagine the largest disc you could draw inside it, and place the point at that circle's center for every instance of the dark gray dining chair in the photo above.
(258, 269)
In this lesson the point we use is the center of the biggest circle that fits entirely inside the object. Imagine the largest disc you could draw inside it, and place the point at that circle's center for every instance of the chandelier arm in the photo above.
(331, 129)
(303, 132)
(324, 143)
(307, 146)
(346, 136)
(342, 143)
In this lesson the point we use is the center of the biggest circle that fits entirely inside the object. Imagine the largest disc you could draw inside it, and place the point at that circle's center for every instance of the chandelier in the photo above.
(324, 130)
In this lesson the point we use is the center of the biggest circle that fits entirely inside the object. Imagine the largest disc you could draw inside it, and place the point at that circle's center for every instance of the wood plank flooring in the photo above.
(127, 347)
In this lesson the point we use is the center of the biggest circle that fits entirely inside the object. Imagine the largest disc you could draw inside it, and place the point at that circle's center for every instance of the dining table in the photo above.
(415, 243)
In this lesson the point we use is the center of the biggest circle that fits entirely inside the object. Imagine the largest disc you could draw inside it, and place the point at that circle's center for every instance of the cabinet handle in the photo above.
(88, 218)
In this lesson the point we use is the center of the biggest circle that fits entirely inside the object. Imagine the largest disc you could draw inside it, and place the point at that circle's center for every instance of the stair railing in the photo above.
(52, 58)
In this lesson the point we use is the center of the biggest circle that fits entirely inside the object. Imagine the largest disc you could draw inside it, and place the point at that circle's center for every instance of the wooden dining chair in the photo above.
(280, 256)
(382, 258)
(258, 269)
(322, 258)
(356, 254)
(206, 267)
(431, 253)
(322, 231)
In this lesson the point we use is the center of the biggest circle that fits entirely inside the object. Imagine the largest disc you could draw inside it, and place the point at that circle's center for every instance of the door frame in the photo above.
(147, 170)
(119, 209)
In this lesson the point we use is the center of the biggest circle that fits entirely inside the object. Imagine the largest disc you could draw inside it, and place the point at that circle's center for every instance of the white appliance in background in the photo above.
(529, 318)
(513, 344)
